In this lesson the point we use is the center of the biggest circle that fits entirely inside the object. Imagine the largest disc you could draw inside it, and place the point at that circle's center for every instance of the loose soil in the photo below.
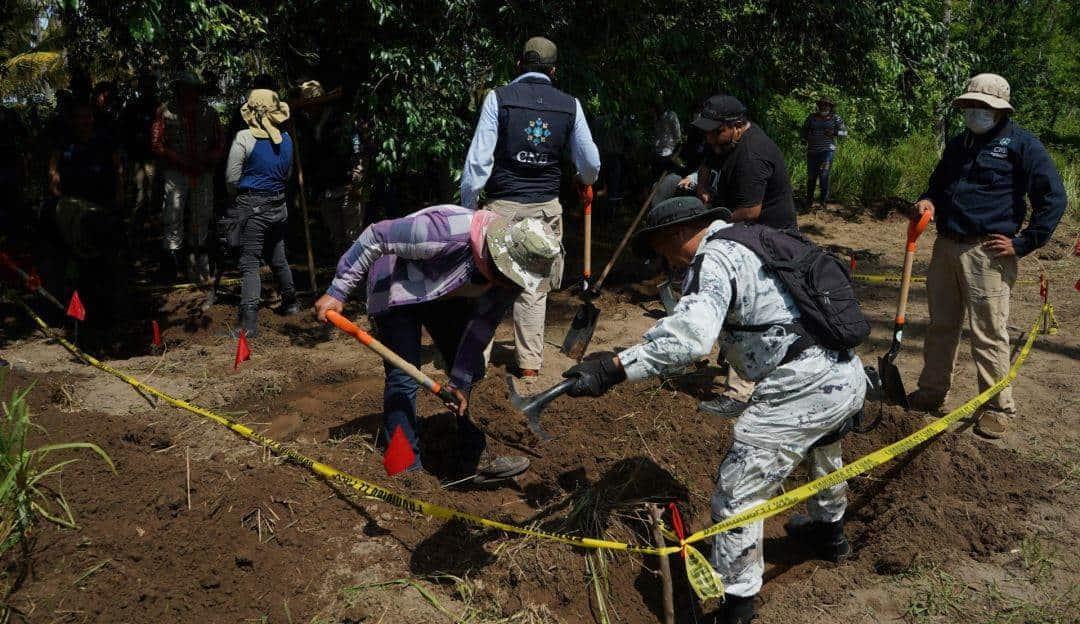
(266, 541)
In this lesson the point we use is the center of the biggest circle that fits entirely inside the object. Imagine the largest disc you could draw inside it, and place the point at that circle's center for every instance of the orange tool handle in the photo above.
(366, 339)
(915, 228)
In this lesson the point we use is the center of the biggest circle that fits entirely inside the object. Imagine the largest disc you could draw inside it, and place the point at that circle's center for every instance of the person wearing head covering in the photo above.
(804, 399)
(820, 132)
(978, 195)
(257, 174)
(746, 173)
(188, 141)
(516, 157)
(454, 272)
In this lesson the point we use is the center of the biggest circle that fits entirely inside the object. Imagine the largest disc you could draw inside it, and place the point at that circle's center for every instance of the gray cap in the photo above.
(540, 50)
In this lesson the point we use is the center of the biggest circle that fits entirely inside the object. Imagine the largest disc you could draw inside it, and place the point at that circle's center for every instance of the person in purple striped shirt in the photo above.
(456, 273)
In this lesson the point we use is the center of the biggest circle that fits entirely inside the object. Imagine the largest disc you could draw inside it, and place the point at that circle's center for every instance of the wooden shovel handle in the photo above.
(629, 232)
(915, 228)
(586, 199)
(386, 354)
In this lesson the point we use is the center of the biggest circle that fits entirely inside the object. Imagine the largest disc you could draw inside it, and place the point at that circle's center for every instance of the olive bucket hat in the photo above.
(673, 212)
(524, 251)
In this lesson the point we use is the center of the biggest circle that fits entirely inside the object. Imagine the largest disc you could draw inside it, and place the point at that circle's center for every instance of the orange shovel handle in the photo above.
(915, 228)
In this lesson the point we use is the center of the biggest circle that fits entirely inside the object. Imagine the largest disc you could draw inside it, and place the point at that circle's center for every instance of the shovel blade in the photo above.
(891, 383)
(581, 331)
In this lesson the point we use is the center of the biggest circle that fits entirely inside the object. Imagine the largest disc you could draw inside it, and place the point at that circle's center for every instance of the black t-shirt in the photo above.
(87, 169)
(754, 172)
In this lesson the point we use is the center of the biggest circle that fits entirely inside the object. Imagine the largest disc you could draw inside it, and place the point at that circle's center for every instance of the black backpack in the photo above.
(818, 282)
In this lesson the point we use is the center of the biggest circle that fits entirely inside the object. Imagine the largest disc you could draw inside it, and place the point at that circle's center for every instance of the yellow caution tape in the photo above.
(703, 578)
(872, 460)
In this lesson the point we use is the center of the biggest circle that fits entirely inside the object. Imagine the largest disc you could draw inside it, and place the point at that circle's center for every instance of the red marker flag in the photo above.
(852, 264)
(1076, 250)
(1078, 285)
(243, 353)
(157, 334)
(75, 307)
(399, 454)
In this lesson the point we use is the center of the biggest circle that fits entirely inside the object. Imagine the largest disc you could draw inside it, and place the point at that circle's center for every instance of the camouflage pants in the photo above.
(772, 437)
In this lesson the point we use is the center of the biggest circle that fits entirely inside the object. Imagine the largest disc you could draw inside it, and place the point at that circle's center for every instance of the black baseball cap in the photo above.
(717, 110)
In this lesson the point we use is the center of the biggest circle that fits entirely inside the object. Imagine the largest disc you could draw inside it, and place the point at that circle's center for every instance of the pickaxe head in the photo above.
(533, 405)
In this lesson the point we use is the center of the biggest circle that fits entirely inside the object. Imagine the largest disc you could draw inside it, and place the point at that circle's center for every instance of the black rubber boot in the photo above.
(723, 406)
(827, 538)
(247, 320)
(737, 610)
(290, 305)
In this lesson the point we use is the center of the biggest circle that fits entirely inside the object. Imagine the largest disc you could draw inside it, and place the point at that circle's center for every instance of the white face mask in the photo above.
(979, 120)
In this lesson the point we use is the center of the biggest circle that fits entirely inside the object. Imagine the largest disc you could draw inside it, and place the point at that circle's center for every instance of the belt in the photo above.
(971, 239)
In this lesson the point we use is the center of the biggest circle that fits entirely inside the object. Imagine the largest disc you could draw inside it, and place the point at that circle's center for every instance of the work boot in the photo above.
(737, 610)
(171, 261)
(496, 468)
(247, 319)
(991, 424)
(290, 305)
(723, 406)
(827, 538)
(923, 401)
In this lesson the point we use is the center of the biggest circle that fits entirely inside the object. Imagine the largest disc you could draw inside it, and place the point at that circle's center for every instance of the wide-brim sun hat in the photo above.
(263, 113)
(672, 212)
(989, 89)
(523, 251)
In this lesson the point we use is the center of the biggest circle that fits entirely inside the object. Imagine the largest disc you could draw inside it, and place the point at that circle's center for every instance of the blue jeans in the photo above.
(399, 328)
(817, 167)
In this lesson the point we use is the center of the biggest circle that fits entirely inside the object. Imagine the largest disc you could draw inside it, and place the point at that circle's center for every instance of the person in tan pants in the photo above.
(976, 195)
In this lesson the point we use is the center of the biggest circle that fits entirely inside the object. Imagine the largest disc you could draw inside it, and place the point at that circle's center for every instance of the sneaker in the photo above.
(500, 467)
(923, 401)
(827, 538)
(991, 424)
(723, 406)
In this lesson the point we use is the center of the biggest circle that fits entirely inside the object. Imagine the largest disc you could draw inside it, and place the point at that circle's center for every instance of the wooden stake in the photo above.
(655, 513)
(187, 460)
(303, 207)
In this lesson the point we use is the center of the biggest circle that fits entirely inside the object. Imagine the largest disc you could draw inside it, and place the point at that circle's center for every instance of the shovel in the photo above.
(584, 323)
(529, 407)
(891, 382)
(366, 339)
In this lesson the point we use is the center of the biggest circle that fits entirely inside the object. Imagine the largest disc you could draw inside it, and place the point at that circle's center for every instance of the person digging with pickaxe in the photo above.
(805, 393)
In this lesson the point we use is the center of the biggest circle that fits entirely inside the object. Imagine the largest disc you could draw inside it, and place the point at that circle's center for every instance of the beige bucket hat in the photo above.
(264, 112)
(524, 251)
(990, 89)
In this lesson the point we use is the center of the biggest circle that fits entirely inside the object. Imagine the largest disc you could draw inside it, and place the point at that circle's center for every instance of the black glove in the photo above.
(595, 376)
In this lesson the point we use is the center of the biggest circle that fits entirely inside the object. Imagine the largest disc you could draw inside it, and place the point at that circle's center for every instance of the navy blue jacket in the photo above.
(979, 185)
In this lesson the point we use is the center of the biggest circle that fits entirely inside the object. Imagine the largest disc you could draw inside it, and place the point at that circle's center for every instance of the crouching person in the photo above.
(456, 273)
(804, 398)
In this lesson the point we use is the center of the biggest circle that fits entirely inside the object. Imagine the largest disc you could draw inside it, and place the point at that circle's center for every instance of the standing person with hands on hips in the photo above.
(820, 132)
(516, 157)
(976, 196)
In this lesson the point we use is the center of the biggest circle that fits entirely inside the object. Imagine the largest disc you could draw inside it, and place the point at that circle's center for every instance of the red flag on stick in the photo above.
(852, 264)
(75, 307)
(1078, 285)
(399, 454)
(243, 353)
(157, 335)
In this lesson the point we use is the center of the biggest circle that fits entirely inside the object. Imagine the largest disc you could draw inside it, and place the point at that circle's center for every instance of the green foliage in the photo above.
(27, 491)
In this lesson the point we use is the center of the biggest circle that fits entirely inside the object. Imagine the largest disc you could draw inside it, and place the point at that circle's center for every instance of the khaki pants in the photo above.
(530, 310)
(964, 279)
(188, 201)
(142, 186)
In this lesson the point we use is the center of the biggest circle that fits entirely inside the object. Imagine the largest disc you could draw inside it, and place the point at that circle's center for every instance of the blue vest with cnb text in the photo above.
(535, 122)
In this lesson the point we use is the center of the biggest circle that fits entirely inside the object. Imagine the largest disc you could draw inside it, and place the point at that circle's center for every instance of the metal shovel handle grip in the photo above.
(366, 339)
